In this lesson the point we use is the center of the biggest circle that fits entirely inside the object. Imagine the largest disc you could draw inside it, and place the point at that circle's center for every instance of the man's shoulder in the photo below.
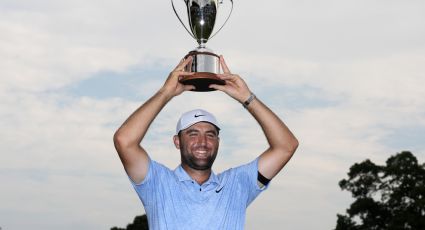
(156, 167)
(247, 167)
(158, 171)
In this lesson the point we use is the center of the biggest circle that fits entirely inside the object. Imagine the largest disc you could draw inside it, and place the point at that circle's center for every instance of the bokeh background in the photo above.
(346, 76)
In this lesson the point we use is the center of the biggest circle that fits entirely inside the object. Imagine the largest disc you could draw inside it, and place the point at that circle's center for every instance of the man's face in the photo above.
(198, 145)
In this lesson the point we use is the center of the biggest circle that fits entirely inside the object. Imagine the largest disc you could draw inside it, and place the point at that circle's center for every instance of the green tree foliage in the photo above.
(139, 223)
(388, 197)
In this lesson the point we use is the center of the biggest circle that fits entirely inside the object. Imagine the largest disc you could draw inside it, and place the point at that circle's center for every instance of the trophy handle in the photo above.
(231, 9)
(181, 21)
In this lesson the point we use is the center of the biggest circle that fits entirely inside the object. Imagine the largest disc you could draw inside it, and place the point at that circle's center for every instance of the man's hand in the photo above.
(172, 86)
(235, 86)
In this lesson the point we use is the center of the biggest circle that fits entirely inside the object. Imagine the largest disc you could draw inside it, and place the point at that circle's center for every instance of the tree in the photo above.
(389, 197)
(139, 223)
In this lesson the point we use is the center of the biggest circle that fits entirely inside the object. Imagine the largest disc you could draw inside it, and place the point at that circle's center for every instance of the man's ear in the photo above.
(176, 141)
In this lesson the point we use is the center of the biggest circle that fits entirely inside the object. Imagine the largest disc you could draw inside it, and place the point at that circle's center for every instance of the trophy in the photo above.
(201, 19)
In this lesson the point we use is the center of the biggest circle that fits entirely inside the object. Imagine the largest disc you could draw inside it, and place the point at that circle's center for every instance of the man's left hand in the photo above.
(235, 86)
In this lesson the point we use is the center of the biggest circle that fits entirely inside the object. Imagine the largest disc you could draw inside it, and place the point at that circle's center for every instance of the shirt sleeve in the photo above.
(146, 177)
(147, 188)
(248, 175)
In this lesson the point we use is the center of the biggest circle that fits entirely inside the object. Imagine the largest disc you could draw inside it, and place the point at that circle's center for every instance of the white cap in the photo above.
(193, 117)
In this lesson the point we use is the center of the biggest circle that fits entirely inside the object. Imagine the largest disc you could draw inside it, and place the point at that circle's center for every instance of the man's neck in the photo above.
(200, 176)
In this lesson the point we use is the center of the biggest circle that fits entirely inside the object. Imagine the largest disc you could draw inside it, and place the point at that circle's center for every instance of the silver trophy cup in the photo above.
(201, 19)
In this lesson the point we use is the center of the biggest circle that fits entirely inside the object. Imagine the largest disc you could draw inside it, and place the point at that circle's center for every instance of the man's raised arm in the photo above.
(128, 137)
(282, 143)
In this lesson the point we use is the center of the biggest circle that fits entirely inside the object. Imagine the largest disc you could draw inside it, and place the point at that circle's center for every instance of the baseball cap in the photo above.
(194, 116)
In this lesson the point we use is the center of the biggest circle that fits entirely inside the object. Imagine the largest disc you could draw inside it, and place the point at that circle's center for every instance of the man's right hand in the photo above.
(172, 86)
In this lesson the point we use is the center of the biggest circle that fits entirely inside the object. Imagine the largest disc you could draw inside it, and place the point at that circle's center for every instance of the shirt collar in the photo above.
(183, 176)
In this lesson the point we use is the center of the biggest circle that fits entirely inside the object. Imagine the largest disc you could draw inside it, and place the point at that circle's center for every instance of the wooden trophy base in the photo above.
(201, 81)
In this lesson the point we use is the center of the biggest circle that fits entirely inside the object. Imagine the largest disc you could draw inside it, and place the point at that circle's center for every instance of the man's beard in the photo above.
(194, 163)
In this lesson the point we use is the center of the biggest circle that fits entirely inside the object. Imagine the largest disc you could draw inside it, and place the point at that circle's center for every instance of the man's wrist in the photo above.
(162, 93)
(248, 101)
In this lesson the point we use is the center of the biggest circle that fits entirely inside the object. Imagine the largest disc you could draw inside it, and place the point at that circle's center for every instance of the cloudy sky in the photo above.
(346, 76)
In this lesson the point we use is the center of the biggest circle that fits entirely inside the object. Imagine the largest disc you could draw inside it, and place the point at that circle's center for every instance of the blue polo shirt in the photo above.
(173, 200)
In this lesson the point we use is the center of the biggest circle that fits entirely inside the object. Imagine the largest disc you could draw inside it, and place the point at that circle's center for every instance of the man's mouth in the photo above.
(201, 153)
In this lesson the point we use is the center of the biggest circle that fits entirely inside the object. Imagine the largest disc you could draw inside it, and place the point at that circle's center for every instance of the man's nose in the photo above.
(202, 139)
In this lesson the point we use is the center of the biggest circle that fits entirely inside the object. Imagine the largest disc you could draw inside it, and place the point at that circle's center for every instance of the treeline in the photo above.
(139, 223)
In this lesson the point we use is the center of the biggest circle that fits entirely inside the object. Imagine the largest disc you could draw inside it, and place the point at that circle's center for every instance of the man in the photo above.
(192, 196)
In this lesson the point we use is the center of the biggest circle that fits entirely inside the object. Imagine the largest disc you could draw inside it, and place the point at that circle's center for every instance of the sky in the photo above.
(346, 76)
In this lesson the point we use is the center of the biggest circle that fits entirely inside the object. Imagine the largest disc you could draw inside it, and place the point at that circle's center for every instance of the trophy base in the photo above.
(206, 65)
(201, 81)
